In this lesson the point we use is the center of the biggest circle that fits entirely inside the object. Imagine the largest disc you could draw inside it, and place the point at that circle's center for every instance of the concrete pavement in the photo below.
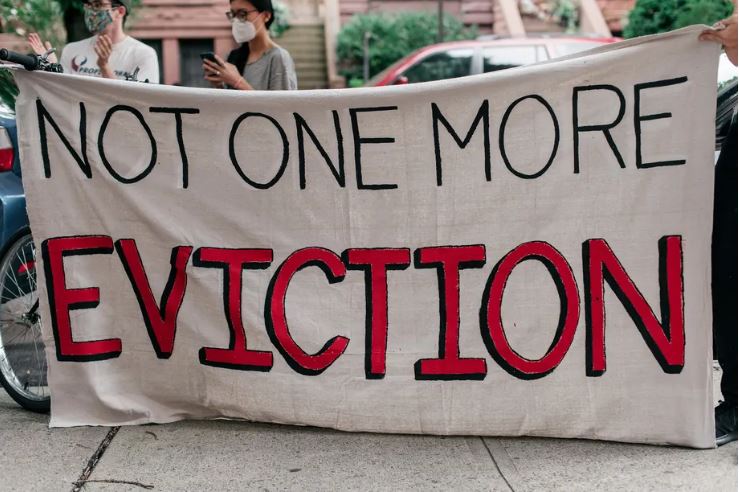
(222, 455)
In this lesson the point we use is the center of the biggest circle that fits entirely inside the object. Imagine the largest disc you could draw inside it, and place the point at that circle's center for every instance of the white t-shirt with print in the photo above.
(79, 58)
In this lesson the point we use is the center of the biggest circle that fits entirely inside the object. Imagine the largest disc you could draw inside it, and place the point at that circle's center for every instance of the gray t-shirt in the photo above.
(274, 71)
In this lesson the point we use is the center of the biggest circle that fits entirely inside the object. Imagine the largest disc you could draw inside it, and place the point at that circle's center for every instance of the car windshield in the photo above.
(726, 70)
(446, 64)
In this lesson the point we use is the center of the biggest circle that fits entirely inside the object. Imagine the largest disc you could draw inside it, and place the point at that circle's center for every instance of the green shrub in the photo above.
(8, 89)
(282, 19)
(393, 37)
(655, 16)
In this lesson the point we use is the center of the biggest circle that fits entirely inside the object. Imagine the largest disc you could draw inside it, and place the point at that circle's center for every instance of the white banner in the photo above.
(525, 252)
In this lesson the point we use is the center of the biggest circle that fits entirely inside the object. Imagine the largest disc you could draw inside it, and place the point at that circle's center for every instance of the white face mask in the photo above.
(243, 32)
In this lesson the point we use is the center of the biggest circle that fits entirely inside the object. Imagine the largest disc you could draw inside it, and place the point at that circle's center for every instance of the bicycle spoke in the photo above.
(21, 291)
(25, 261)
(15, 281)
(28, 272)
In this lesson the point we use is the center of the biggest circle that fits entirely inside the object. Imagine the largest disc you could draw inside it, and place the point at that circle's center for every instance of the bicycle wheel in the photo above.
(22, 352)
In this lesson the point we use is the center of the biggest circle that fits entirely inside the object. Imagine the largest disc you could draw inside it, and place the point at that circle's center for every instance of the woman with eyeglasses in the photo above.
(110, 53)
(259, 63)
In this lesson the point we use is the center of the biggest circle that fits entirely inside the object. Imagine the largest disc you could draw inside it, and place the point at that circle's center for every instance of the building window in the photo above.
(191, 66)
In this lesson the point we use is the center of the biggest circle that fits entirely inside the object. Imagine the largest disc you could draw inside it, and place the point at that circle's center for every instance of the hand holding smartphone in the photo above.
(209, 59)
(208, 55)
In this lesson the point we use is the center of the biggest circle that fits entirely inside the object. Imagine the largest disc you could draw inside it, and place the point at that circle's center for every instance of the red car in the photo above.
(460, 58)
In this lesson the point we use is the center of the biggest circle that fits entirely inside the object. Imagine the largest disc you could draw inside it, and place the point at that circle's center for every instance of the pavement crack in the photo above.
(95, 459)
(497, 467)
(124, 482)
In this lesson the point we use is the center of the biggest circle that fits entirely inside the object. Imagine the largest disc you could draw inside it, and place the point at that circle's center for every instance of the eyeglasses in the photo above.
(98, 5)
(241, 15)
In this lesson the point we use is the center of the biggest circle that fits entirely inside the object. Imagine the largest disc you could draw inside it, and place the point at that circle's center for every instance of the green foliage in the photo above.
(282, 19)
(8, 89)
(393, 37)
(655, 16)
(567, 12)
(24, 16)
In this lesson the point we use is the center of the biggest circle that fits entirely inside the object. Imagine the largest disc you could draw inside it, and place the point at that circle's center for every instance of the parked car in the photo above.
(486, 54)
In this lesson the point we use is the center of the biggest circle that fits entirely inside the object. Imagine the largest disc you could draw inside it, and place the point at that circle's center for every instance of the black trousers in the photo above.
(724, 265)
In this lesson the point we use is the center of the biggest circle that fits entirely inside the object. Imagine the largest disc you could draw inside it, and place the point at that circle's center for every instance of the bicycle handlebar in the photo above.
(27, 61)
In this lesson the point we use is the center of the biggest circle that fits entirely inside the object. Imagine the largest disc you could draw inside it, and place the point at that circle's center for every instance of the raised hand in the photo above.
(103, 49)
(40, 47)
(724, 32)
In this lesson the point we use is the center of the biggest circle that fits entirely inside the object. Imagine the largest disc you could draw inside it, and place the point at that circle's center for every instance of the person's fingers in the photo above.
(100, 53)
(105, 48)
(220, 61)
(104, 42)
(48, 46)
(710, 36)
(212, 66)
(35, 41)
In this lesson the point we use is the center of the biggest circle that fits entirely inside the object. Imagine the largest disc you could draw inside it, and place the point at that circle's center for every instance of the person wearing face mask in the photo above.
(259, 63)
(110, 53)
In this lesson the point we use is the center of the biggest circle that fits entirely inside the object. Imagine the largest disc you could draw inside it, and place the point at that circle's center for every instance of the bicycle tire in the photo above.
(23, 367)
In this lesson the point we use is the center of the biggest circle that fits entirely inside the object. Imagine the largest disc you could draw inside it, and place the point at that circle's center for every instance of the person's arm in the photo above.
(149, 67)
(103, 49)
(725, 33)
(222, 72)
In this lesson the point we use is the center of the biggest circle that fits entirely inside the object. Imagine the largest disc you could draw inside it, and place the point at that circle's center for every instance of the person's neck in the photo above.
(261, 43)
(115, 33)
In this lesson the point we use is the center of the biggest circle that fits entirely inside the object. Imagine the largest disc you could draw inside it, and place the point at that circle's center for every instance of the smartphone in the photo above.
(208, 55)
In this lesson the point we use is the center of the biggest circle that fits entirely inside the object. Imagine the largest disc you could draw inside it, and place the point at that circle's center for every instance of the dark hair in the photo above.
(240, 55)
(263, 6)
(122, 3)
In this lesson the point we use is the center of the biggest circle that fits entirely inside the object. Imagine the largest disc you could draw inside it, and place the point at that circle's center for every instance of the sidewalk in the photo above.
(222, 455)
